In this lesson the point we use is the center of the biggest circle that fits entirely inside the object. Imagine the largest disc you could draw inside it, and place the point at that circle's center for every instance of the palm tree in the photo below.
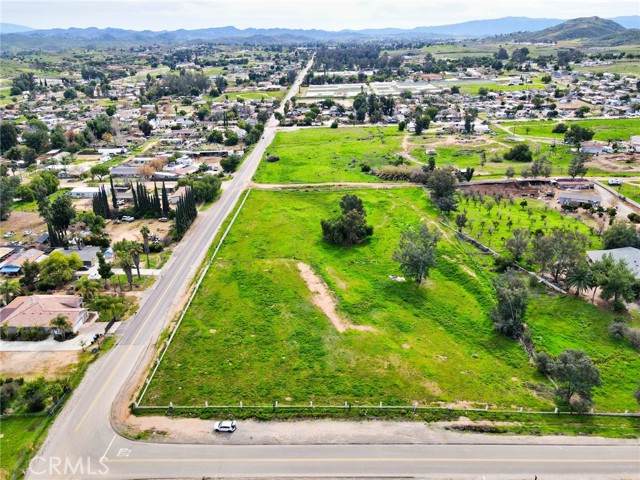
(125, 261)
(135, 249)
(8, 289)
(62, 324)
(145, 237)
(581, 278)
(111, 306)
(87, 288)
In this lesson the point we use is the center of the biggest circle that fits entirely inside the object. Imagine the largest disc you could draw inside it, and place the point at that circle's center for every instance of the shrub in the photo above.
(519, 153)
(503, 262)
(97, 241)
(618, 330)
(560, 128)
(634, 217)
(155, 247)
(365, 167)
(397, 173)
(544, 363)
(633, 335)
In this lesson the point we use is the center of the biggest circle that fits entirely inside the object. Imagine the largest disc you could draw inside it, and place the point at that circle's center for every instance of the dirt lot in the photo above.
(515, 189)
(620, 162)
(21, 221)
(30, 365)
(131, 231)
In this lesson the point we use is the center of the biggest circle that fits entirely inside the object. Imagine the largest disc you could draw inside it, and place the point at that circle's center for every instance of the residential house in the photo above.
(37, 311)
(629, 254)
(88, 255)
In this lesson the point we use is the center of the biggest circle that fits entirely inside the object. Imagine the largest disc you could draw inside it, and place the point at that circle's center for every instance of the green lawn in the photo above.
(605, 129)
(17, 433)
(329, 155)
(252, 320)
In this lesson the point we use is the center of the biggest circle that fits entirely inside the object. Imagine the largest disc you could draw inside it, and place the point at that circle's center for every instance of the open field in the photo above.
(250, 95)
(465, 152)
(568, 322)
(329, 155)
(254, 320)
(628, 67)
(473, 87)
(16, 433)
(630, 190)
(605, 129)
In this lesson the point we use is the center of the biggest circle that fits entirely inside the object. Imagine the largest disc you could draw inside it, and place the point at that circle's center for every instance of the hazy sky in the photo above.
(323, 14)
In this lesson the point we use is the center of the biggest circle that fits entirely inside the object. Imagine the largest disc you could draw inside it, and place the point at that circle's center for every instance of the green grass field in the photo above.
(16, 434)
(465, 157)
(232, 96)
(474, 87)
(252, 333)
(621, 67)
(629, 190)
(605, 129)
(329, 155)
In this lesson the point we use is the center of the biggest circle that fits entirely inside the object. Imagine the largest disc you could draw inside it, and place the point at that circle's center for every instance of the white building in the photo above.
(86, 192)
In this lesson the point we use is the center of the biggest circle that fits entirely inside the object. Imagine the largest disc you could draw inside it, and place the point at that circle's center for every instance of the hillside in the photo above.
(587, 28)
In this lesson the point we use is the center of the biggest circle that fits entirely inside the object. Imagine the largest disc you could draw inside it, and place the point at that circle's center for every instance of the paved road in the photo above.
(83, 444)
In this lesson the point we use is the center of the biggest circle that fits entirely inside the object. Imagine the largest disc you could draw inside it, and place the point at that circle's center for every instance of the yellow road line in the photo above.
(397, 460)
(122, 358)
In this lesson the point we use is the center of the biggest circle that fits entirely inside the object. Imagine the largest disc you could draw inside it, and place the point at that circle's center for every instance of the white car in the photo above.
(225, 426)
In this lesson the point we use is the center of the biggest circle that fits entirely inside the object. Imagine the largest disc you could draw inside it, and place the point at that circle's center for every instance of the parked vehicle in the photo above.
(225, 426)
(9, 234)
(163, 219)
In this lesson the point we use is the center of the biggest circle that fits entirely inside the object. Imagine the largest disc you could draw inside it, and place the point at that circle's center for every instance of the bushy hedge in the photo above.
(395, 172)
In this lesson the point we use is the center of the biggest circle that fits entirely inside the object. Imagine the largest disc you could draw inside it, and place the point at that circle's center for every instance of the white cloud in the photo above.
(324, 14)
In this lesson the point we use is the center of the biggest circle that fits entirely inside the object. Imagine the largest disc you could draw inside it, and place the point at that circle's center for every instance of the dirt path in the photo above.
(293, 186)
(328, 432)
(405, 153)
(321, 298)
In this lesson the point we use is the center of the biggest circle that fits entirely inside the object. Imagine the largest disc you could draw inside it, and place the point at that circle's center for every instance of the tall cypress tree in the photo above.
(165, 201)
(114, 198)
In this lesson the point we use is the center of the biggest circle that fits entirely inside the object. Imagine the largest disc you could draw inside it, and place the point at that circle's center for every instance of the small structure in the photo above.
(566, 184)
(37, 311)
(629, 254)
(594, 148)
(12, 265)
(87, 192)
(88, 255)
(578, 198)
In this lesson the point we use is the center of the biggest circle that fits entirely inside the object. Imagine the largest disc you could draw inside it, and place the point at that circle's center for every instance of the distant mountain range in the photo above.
(17, 36)
(13, 28)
